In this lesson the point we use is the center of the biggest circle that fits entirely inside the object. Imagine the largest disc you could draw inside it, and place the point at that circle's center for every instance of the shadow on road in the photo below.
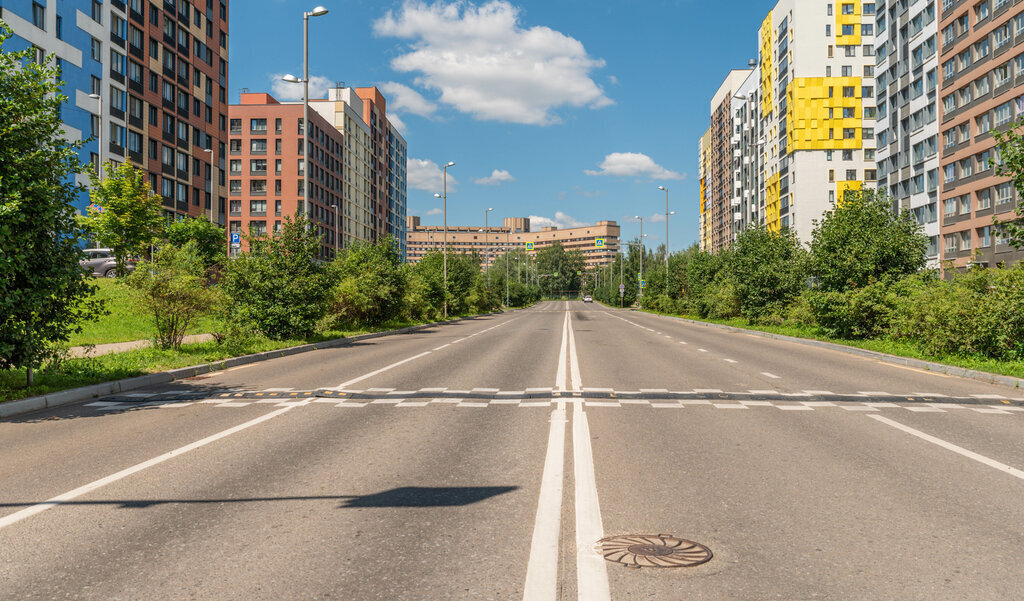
(406, 496)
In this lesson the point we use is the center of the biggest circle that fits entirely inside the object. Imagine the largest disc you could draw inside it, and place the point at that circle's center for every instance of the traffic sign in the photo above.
(622, 287)
(643, 283)
(579, 272)
(599, 242)
(236, 238)
(529, 246)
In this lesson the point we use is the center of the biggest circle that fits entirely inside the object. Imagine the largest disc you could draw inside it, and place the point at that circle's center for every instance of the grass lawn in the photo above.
(125, 322)
(891, 347)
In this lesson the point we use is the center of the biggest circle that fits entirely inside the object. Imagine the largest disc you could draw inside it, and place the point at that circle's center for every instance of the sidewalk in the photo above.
(120, 347)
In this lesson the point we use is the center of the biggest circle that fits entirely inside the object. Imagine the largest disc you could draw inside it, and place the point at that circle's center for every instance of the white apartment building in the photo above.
(907, 129)
(747, 204)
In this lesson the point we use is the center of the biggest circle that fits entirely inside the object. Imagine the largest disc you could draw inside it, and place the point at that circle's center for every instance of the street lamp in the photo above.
(507, 248)
(99, 131)
(641, 219)
(337, 229)
(444, 198)
(487, 248)
(667, 213)
(316, 12)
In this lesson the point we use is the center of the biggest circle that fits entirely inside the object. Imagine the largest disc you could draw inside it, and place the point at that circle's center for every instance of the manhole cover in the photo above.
(653, 551)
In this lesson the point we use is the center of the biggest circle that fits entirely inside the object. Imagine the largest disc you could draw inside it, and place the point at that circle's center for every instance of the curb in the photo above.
(93, 391)
(942, 368)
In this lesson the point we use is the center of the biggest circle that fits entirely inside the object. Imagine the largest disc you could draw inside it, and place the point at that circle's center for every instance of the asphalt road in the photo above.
(485, 459)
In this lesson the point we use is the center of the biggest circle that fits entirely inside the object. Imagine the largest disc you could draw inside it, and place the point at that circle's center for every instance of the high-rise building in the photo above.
(514, 233)
(703, 168)
(720, 178)
(161, 70)
(387, 168)
(817, 108)
(907, 129)
(747, 206)
(269, 167)
(55, 28)
(982, 90)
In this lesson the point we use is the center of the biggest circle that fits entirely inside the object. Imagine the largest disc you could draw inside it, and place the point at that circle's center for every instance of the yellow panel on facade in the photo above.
(771, 204)
(848, 13)
(703, 194)
(843, 186)
(767, 69)
(814, 113)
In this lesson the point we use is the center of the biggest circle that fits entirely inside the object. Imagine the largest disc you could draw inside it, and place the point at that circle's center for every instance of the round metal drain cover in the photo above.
(653, 551)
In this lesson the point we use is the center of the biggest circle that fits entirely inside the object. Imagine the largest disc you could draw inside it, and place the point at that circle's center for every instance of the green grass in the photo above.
(891, 347)
(126, 321)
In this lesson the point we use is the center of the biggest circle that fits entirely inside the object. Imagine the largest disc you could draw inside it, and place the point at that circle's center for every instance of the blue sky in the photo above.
(569, 111)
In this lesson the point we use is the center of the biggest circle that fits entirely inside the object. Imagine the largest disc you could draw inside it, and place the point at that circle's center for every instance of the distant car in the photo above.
(588, 299)
(101, 262)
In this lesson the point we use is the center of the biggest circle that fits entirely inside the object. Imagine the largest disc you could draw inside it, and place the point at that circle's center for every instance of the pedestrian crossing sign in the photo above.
(643, 283)
(599, 242)
(529, 246)
(579, 273)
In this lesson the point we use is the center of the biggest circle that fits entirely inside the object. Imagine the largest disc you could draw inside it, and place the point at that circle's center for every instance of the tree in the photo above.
(370, 283)
(278, 287)
(559, 268)
(211, 240)
(1010, 150)
(125, 214)
(862, 240)
(43, 291)
(769, 270)
(174, 290)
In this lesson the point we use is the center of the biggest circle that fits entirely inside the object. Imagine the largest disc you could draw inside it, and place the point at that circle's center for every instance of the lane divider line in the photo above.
(1016, 473)
(344, 385)
(97, 484)
(542, 569)
(574, 364)
(591, 568)
(560, 372)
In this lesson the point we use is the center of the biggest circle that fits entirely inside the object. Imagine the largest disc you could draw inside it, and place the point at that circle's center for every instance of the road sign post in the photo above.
(529, 246)
(599, 242)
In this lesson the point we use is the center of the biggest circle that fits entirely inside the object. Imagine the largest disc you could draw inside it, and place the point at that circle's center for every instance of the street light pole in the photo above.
(487, 248)
(444, 198)
(337, 229)
(667, 213)
(641, 219)
(506, 263)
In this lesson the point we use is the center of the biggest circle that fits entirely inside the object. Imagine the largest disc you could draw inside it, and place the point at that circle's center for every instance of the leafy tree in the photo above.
(278, 287)
(43, 291)
(862, 240)
(173, 288)
(558, 268)
(1010, 146)
(769, 269)
(128, 218)
(210, 239)
(371, 283)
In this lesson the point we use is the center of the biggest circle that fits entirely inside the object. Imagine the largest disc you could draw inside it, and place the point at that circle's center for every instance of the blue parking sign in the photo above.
(236, 238)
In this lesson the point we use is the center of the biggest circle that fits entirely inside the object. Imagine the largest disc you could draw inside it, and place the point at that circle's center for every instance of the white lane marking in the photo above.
(574, 364)
(820, 392)
(952, 447)
(458, 341)
(794, 408)
(344, 385)
(730, 406)
(770, 375)
(542, 569)
(995, 397)
(437, 348)
(97, 484)
(702, 350)
(681, 342)
(731, 361)
(560, 372)
(706, 390)
(591, 570)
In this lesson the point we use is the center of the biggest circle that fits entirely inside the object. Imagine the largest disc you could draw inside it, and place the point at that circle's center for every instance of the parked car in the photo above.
(588, 299)
(101, 263)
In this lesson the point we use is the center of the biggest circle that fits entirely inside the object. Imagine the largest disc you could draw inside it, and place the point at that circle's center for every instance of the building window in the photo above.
(97, 11)
(257, 207)
(258, 146)
(258, 126)
(39, 15)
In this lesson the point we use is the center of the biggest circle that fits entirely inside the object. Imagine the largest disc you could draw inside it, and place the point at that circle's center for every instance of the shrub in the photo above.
(769, 271)
(858, 313)
(371, 284)
(210, 240)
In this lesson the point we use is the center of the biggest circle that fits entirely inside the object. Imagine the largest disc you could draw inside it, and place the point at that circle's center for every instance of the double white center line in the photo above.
(542, 570)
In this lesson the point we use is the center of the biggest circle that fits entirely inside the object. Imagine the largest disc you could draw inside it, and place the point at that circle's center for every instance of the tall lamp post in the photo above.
(487, 248)
(507, 248)
(641, 219)
(99, 131)
(337, 229)
(667, 213)
(444, 197)
(316, 12)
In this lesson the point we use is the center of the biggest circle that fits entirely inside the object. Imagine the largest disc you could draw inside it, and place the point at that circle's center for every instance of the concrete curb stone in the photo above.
(941, 368)
(93, 391)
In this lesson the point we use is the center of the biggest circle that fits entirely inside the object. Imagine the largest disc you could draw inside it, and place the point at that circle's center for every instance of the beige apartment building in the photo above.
(514, 233)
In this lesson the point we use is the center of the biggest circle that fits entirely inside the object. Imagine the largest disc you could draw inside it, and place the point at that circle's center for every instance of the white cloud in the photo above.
(434, 211)
(561, 221)
(397, 122)
(496, 178)
(282, 90)
(633, 164)
(484, 63)
(614, 80)
(426, 175)
(402, 97)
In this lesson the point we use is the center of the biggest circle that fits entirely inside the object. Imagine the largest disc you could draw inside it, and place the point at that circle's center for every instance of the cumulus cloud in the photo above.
(633, 164)
(561, 221)
(402, 97)
(434, 211)
(483, 62)
(282, 90)
(496, 178)
(397, 122)
(426, 175)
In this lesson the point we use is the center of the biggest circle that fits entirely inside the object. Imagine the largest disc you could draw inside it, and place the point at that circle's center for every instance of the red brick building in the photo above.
(267, 169)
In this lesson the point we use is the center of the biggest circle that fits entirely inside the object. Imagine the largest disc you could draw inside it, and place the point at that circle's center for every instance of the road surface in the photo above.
(485, 459)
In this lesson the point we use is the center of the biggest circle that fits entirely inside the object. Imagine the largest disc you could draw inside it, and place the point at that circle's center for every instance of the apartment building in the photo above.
(387, 168)
(719, 178)
(514, 233)
(270, 165)
(982, 90)
(703, 169)
(54, 28)
(747, 205)
(907, 100)
(160, 70)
